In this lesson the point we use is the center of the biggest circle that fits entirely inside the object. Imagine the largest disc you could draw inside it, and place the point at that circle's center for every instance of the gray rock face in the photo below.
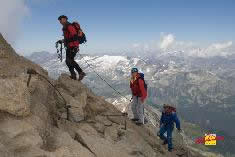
(15, 97)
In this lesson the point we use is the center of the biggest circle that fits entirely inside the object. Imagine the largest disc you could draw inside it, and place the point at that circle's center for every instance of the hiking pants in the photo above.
(169, 131)
(137, 108)
(71, 63)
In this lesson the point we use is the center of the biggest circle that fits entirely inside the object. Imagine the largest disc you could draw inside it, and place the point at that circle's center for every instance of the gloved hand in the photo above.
(60, 41)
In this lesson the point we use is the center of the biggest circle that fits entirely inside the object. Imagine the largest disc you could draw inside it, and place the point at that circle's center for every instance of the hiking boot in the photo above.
(135, 119)
(125, 114)
(170, 149)
(145, 120)
(165, 142)
(139, 123)
(74, 77)
(81, 76)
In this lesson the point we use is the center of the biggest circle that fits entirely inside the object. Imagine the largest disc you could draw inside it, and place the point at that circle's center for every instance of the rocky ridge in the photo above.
(33, 118)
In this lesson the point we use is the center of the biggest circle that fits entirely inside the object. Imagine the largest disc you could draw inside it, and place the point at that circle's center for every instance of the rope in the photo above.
(32, 71)
(103, 79)
(54, 88)
(156, 116)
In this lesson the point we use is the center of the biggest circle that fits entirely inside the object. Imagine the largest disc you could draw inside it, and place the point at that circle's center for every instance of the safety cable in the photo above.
(68, 106)
(53, 87)
(103, 78)
(32, 71)
(182, 133)
(158, 119)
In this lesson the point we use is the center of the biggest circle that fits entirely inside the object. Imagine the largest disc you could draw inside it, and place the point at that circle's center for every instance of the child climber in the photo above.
(167, 121)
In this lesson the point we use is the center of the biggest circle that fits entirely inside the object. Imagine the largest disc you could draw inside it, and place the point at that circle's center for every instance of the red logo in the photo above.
(201, 140)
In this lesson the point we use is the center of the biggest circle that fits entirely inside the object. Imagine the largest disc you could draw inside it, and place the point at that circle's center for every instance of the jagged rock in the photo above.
(4, 151)
(14, 96)
(32, 125)
(72, 87)
(60, 139)
(76, 97)
(112, 133)
(100, 146)
(18, 136)
(76, 112)
(103, 120)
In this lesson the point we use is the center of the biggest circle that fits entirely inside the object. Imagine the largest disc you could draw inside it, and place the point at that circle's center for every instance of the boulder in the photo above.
(15, 96)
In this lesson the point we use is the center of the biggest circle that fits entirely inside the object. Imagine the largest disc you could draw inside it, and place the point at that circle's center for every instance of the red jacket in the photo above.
(137, 88)
(70, 36)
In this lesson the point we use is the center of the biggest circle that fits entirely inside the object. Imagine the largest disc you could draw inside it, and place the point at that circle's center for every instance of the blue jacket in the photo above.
(169, 119)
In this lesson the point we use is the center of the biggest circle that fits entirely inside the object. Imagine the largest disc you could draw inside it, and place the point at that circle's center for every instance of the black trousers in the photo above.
(71, 63)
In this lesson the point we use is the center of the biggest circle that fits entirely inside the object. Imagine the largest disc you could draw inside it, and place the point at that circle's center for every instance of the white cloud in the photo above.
(12, 13)
(214, 49)
(136, 45)
(168, 43)
(220, 46)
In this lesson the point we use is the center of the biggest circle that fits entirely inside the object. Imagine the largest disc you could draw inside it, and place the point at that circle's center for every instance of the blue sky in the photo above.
(117, 24)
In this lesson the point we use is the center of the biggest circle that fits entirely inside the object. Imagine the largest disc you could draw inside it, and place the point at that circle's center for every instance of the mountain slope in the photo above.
(204, 85)
(33, 118)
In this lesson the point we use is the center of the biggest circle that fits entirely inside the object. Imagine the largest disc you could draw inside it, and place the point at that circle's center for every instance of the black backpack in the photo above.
(142, 77)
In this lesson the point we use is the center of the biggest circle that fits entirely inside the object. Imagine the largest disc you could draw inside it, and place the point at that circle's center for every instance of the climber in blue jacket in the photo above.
(167, 121)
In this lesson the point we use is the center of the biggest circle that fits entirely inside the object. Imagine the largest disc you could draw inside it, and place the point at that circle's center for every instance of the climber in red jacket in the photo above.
(71, 42)
(139, 95)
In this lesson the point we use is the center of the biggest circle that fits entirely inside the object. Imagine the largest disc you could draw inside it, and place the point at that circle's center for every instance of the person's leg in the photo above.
(69, 63)
(73, 62)
(161, 133)
(169, 138)
(134, 107)
(140, 111)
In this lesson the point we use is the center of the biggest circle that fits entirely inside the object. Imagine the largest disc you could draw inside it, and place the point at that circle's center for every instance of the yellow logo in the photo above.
(210, 139)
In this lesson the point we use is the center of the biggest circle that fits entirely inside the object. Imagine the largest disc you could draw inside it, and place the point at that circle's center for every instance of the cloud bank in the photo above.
(169, 43)
(166, 41)
(12, 12)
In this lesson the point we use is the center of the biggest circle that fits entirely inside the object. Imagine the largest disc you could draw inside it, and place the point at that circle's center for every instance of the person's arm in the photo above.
(177, 121)
(131, 91)
(142, 89)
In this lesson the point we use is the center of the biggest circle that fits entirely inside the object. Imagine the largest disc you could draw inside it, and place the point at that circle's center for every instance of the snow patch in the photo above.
(135, 61)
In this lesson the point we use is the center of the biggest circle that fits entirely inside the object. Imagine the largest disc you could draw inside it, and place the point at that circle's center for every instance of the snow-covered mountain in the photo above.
(202, 88)
(170, 78)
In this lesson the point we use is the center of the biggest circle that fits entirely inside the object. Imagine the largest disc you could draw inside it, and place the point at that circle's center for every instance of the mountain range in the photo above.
(202, 88)
(42, 116)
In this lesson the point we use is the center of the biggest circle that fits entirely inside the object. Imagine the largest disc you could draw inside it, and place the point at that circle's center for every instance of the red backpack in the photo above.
(80, 33)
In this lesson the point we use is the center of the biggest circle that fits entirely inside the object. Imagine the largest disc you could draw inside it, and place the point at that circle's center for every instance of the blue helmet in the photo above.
(134, 70)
